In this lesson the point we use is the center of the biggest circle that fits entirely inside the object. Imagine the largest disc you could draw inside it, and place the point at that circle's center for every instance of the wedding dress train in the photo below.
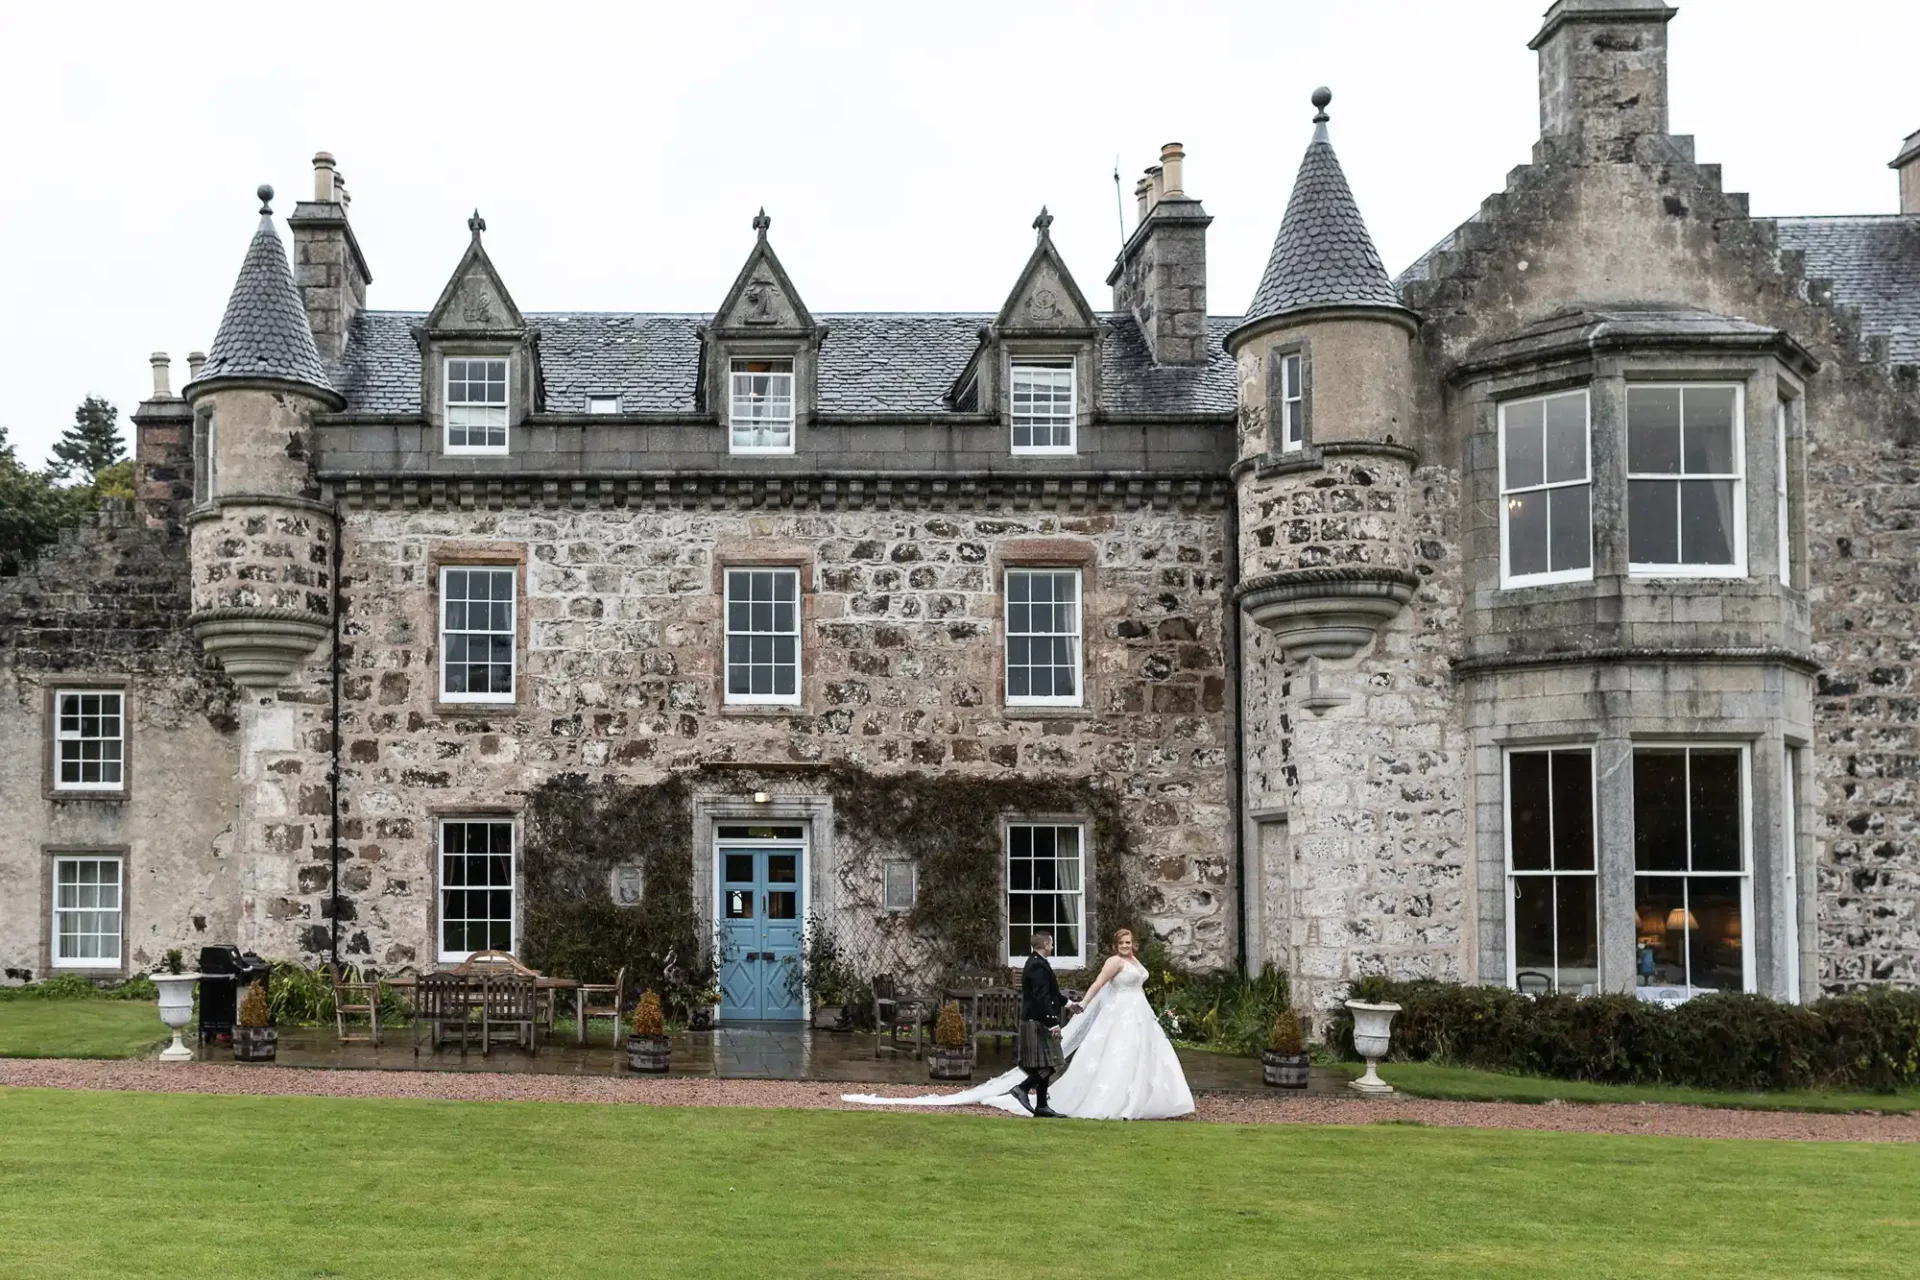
(1121, 1066)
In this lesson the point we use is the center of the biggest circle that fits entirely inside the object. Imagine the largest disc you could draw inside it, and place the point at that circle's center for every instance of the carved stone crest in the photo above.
(757, 299)
(478, 308)
(1044, 305)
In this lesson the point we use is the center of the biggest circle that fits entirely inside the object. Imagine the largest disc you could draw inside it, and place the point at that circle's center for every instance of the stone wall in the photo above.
(622, 677)
(106, 607)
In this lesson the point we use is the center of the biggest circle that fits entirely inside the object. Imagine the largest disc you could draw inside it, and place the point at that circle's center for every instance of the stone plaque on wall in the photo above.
(626, 886)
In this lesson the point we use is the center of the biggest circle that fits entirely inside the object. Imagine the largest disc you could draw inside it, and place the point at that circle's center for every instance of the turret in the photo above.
(262, 543)
(1325, 367)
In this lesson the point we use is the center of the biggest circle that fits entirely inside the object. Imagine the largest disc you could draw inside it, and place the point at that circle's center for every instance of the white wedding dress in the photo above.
(1121, 1066)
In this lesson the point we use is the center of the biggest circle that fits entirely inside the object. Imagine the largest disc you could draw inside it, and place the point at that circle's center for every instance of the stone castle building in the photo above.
(1547, 615)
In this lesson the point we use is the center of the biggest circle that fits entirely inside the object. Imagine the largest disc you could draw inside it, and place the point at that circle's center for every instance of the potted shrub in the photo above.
(1283, 1063)
(825, 977)
(253, 1039)
(1372, 1022)
(950, 1057)
(703, 1012)
(176, 1003)
(648, 1046)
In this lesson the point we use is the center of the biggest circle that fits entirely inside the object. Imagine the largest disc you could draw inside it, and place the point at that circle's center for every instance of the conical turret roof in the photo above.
(1323, 256)
(264, 333)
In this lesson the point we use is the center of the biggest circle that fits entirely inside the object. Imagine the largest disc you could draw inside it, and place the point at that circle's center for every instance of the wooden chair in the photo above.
(488, 963)
(996, 1013)
(589, 1010)
(353, 998)
(440, 1001)
(510, 1001)
(894, 1013)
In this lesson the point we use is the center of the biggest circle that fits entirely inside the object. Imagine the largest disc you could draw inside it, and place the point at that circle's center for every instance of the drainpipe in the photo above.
(333, 771)
(1231, 633)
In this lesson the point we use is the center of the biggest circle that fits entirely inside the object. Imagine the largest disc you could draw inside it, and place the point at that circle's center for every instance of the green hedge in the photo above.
(1867, 1041)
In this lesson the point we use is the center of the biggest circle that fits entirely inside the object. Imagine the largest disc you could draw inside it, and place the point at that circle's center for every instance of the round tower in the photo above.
(262, 545)
(1325, 363)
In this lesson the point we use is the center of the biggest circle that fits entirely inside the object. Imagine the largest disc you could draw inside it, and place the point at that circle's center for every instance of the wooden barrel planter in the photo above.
(255, 1044)
(650, 1053)
(949, 1064)
(1284, 1070)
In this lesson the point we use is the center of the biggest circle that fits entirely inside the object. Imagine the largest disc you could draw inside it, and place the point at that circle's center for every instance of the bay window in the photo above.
(1546, 491)
(1552, 891)
(1686, 500)
(1691, 885)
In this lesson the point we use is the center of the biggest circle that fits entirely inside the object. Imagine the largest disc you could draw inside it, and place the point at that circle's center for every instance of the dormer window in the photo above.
(477, 404)
(1042, 405)
(603, 404)
(762, 406)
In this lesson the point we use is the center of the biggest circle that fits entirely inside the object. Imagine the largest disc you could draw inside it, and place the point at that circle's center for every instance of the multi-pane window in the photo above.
(1686, 509)
(1292, 405)
(1553, 920)
(476, 404)
(1046, 872)
(1042, 404)
(89, 740)
(1782, 510)
(603, 404)
(1043, 637)
(1546, 491)
(476, 887)
(87, 907)
(1690, 867)
(477, 633)
(763, 635)
(762, 412)
(898, 889)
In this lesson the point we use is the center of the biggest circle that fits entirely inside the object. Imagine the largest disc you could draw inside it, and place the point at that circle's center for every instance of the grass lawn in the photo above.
(1465, 1084)
(79, 1028)
(172, 1185)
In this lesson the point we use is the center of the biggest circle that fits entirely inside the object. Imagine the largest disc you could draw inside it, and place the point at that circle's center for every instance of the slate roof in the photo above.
(264, 333)
(1323, 255)
(870, 362)
(1874, 263)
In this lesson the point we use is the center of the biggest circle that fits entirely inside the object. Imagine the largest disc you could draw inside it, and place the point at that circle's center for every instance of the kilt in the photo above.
(1040, 1047)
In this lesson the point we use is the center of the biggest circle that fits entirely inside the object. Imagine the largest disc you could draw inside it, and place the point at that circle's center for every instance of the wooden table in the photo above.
(541, 982)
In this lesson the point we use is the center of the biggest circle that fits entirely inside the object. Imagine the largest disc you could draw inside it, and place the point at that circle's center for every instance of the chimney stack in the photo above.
(327, 263)
(1161, 276)
(1603, 76)
(1907, 165)
(162, 384)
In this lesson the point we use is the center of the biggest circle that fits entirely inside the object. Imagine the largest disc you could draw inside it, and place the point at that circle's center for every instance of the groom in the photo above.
(1040, 1007)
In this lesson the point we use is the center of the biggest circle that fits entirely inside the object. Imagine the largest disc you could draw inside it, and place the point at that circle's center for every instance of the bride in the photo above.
(1121, 1065)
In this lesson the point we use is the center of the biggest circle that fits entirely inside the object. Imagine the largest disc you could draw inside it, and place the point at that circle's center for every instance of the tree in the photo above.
(92, 442)
(32, 509)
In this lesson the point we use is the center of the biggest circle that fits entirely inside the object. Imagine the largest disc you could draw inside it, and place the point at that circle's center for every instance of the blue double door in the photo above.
(761, 915)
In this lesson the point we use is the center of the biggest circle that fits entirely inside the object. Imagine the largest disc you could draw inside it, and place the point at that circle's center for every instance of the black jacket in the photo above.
(1040, 998)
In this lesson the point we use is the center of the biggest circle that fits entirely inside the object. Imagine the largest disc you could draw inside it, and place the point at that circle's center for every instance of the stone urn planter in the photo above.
(650, 1053)
(176, 1010)
(255, 1044)
(949, 1064)
(701, 1017)
(1371, 1025)
(1284, 1070)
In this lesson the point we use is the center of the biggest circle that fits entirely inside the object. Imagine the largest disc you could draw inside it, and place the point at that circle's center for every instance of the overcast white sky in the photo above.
(902, 149)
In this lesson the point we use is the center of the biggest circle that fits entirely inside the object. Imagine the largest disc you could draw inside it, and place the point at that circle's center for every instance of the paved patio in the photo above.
(746, 1051)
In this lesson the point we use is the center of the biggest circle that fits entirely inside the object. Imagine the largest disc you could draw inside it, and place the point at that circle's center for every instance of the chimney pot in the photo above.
(1171, 159)
(196, 361)
(1155, 190)
(1907, 165)
(324, 177)
(1140, 190)
(162, 384)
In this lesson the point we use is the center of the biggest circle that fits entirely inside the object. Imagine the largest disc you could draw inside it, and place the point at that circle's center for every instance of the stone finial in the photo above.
(761, 222)
(1321, 97)
(162, 384)
(265, 192)
(1044, 223)
(476, 224)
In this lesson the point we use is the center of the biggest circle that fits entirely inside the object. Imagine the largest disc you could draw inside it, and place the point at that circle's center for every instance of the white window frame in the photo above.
(512, 632)
(447, 406)
(1790, 867)
(1293, 402)
(1738, 568)
(1593, 873)
(1749, 927)
(728, 633)
(737, 420)
(61, 738)
(1507, 577)
(599, 404)
(440, 888)
(1059, 960)
(1016, 365)
(1783, 510)
(1076, 637)
(119, 912)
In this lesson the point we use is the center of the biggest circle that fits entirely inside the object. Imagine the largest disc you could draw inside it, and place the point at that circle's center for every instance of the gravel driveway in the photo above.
(1668, 1121)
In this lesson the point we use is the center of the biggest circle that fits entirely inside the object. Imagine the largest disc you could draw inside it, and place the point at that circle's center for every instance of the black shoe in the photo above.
(1020, 1096)
(1045, 1112)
